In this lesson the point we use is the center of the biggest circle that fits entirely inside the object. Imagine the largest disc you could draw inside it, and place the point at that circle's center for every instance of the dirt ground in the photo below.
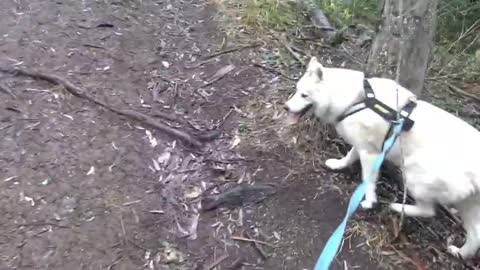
(85, 188)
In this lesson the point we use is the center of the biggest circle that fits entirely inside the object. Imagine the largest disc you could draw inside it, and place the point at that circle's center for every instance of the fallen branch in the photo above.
(320, 21)
(236, 264)
(209, 58)
(317, 16)
(80, 93)
(270, 69)
(245, 239)
(216, 262)
(462, 92)
(291, 51)
(34, 224)
(231, 50)
(258, 246)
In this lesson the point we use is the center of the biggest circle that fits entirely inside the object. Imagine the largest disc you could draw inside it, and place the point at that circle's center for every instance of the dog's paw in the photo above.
(397, 207)
(367, 204)
(335, 164)
(455, 251)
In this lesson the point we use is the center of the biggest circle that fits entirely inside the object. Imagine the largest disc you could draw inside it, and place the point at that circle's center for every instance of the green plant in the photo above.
(273, 14)
(344, 12)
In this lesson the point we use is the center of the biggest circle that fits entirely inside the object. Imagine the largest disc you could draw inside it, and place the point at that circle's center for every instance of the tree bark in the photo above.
(404, 42)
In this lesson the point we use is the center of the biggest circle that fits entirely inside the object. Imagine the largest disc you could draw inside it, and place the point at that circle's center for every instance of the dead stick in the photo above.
(462, 92)
(167, 116)
(207, 59)
(240, 238)
(258, 247)
(43, 224)
(267, 68)
(231, 50)
(79, 92)
(7, 90)
(236, 264)
(216, 262)
(292, 52)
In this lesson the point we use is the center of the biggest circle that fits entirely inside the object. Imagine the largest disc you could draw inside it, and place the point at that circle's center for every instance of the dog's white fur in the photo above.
(440, 153)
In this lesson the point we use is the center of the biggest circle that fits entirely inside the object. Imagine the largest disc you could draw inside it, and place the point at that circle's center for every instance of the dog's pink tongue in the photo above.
(292, 118)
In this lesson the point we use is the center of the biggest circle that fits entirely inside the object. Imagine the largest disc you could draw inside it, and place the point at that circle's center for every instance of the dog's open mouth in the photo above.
(294, 117)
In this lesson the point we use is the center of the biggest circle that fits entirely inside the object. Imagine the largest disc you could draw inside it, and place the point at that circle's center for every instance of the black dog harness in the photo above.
(380, 108)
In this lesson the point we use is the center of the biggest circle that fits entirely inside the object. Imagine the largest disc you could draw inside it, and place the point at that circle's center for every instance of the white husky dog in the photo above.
(440, 152)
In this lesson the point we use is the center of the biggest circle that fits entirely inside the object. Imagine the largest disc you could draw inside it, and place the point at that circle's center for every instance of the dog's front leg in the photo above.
(367, 159)
(421, 209)
(339, 164)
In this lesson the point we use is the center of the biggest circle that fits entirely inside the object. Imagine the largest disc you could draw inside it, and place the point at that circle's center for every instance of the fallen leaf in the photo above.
(156, 211)
(163, 158)
(220, 74)
(192, 193)
(9, 178)
(151, 139)
(68, 116)
(91, 171)
(235, 142)
(156, 165)
(29, 199)
(193, 227)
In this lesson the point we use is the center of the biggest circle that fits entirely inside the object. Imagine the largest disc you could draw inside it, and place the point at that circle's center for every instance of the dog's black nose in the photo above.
(285, 107)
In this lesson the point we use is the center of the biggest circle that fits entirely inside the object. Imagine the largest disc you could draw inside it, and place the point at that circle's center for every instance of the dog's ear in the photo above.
(315, 67)
(313, 61)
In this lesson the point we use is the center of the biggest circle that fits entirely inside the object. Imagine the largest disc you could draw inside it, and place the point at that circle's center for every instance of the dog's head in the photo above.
(307, 94)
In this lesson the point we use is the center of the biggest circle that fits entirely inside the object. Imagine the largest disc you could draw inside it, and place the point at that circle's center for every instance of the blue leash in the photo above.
(333, 243)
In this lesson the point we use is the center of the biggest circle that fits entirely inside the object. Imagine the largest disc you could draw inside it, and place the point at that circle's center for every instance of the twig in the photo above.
(267, 68)
(80, 93)
(257, 246)
(42, 224)
(6, 126)
(292, 52)
(167, 116)
(156, 90)
(209, 58)
(216, 262)
(402, 163)
(448, 213)
(198, 64)
(231, 50)
(240, 238)
(138, 246)
(353, 57)
(224, 119)
(462, 92)
(132, 202)
(124, 232)
(236, 264)
(114, 263)
(458, 54)
(7, 90)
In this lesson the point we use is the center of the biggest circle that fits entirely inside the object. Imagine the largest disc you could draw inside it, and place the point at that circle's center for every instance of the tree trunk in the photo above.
(404, 42)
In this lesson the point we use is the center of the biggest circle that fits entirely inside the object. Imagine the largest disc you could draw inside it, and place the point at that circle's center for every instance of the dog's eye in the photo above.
(304, 95)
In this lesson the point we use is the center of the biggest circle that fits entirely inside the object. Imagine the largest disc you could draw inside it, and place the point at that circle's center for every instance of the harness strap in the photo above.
(380, 108)
(353, 109)
(405, 114)
(385, 111)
